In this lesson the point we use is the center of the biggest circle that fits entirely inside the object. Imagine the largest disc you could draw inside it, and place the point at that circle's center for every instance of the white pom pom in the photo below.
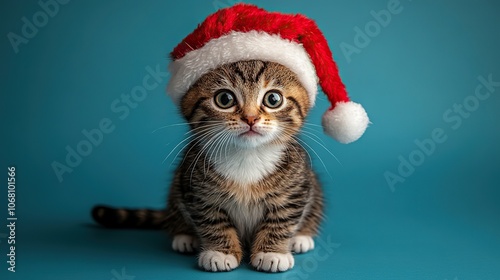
(346, 122)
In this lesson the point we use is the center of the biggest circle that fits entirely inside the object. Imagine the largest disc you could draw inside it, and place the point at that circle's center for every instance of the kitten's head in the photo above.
(246, 103)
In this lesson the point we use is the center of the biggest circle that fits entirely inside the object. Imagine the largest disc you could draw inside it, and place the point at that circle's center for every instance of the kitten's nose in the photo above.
(250, 120)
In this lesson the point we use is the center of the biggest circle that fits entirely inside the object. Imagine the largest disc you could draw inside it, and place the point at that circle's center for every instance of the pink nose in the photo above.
(250, 120)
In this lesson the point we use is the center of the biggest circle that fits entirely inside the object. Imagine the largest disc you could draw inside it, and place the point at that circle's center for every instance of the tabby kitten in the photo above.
(245, 181)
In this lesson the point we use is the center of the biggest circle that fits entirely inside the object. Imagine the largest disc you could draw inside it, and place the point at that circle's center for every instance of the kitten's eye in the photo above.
(273, 99)
(225, 99)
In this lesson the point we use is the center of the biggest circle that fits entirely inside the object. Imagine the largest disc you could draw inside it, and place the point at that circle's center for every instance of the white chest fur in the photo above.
(245, 217)
(246, 166)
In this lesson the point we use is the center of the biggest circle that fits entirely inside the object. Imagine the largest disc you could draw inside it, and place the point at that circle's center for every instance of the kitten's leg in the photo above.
(221, 248)
(184, 237)
(303, 240)
(178, 225)
(309, 226)
(271, 246)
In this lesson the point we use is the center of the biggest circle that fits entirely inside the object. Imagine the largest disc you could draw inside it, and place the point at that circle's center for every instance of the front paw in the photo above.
(272, 262)
(185, 243)
(217, 261)
(302, 243)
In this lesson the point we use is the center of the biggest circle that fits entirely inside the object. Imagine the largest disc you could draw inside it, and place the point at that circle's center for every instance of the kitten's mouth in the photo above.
(250, 133)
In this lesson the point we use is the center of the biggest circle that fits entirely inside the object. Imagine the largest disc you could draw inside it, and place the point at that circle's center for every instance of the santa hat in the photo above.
(246, 32)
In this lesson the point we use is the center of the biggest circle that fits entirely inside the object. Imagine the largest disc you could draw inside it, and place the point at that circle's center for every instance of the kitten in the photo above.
(244, 181)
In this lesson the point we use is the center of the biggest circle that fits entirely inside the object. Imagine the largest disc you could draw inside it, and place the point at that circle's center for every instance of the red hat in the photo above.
(246, 32)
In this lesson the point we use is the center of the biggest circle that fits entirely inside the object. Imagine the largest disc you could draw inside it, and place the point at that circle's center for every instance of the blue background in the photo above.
(442, 222)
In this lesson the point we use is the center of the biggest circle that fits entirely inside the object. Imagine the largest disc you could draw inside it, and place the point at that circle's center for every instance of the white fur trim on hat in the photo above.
(346, 122)
(239, 46)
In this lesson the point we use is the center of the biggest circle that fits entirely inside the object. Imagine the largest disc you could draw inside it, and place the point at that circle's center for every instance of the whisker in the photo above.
(320, 142)
(204, 126)
(314, 135)
(211, 149)
(183, 124)
(207, 135)
(312, 124)
(222, 145)
(321, 160)
(293, 138)
(178, 146)
(197, 140)
(195, 161)
(323, 146)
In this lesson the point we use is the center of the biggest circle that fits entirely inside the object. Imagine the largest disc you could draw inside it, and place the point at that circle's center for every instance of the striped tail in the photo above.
(129, 218)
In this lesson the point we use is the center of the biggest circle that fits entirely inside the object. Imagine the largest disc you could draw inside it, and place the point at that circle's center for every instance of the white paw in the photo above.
(272, 262)
(185, 243)
(217, 261)
(301, 243)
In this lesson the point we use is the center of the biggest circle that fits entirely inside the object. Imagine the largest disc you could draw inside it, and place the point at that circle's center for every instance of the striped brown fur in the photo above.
(269, 211)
